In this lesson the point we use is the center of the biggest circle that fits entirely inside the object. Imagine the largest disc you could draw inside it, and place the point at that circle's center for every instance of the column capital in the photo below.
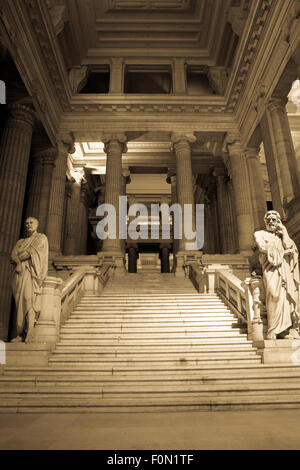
(22, 113)
(277, 103)
(46, 156)
(177, 137)
(119, 139)
(233, 144)
(252, 153)
(65, 143)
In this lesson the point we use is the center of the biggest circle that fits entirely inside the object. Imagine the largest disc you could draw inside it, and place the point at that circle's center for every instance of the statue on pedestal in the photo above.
(278, 256)
(30, 260)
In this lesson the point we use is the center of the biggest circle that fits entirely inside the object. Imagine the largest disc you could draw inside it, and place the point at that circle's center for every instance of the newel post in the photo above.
(47, 327)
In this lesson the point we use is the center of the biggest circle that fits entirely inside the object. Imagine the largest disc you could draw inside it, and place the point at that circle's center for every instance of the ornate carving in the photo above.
(47, 52)
(78, 78)
(149, 4)
(148, 108)
(250, 50)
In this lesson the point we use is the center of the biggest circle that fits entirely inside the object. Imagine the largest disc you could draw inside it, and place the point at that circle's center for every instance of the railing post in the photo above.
(47, 327)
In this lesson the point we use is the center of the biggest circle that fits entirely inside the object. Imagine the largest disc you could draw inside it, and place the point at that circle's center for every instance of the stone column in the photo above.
(83, 219)
(73, 228)
(132, 258)
(164, 256)
(35, 186)
(14, 158)
(179, 76)
(171, 179)
(68, 193)
(185, 194)
(116, 84)
(225, 216)
(47, 157)
(284, 148)
(115, 146)
(57, 195)
(242, 195)
(125, 179)
(256, 187)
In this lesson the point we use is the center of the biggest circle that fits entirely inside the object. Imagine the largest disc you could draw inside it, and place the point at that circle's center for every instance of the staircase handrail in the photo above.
(105, 272)
(198, 276)
(236, 295)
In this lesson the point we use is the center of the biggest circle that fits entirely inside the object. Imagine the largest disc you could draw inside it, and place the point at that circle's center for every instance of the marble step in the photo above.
(155, 343)
(137, 323)
(147, 350)
(68, 405)
(135, 365)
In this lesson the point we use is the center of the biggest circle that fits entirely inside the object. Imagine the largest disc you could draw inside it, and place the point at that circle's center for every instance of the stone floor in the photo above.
(276, 429)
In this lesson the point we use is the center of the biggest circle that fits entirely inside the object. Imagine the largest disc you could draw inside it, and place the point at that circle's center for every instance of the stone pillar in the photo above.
(35, 186)
(164, 256)
(115, 146)
(241, 191)
(171, 179)
(14, 158)
(83, 219)
(179, 76)
(125, 179)
(132, 258)
(48, 160)
(68, 193)
(73, 228)
(185, 194)
(256, 187)
(284, 148)
(116, 84)
(225, 216)
(57, 195)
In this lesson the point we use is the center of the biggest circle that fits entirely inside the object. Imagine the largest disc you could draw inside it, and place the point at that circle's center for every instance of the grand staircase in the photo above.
(150, 343)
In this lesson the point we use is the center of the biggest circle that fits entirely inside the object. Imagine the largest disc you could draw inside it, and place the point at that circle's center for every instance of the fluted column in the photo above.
(115, 146)
(171, 179)
(242, 194)
(73, 228)
(125, 179)
(226, 220)
(256, 186)
(35, 186)
(132, 257)
(56, 202)
(83, 219)
(48, 157)
(284, 149)
(14, 158)
(182, 147)
(165, 258)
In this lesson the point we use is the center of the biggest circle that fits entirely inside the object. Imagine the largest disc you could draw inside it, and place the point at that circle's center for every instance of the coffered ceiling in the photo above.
(100, 29)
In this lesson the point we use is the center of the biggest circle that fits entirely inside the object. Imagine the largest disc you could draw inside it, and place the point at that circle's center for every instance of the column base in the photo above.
(279, 351)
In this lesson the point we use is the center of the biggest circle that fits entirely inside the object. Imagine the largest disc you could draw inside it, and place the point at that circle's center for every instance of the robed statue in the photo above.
(278, 256)
(30, 260)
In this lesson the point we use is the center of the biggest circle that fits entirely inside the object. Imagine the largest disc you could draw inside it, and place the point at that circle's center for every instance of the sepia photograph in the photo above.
(150, 228)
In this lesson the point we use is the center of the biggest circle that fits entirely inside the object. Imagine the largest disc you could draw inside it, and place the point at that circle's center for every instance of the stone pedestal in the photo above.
(47, 327)
(14, 157)
(241, 190)
(279, 351)
(57, 195)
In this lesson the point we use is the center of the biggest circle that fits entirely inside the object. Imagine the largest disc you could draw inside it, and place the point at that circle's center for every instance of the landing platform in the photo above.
(229, 430)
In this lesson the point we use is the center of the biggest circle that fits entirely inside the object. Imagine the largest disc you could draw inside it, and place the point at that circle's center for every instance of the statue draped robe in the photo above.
(26, 285)
(279, 260)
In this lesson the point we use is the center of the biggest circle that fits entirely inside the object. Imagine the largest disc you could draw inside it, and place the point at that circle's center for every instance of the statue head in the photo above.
(31, 225)
(272, 219)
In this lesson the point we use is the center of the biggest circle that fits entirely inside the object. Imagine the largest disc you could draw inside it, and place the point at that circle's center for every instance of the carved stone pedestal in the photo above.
(279, 351)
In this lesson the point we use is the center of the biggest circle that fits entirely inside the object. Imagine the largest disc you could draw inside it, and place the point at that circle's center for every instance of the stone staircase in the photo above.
(150, 343)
